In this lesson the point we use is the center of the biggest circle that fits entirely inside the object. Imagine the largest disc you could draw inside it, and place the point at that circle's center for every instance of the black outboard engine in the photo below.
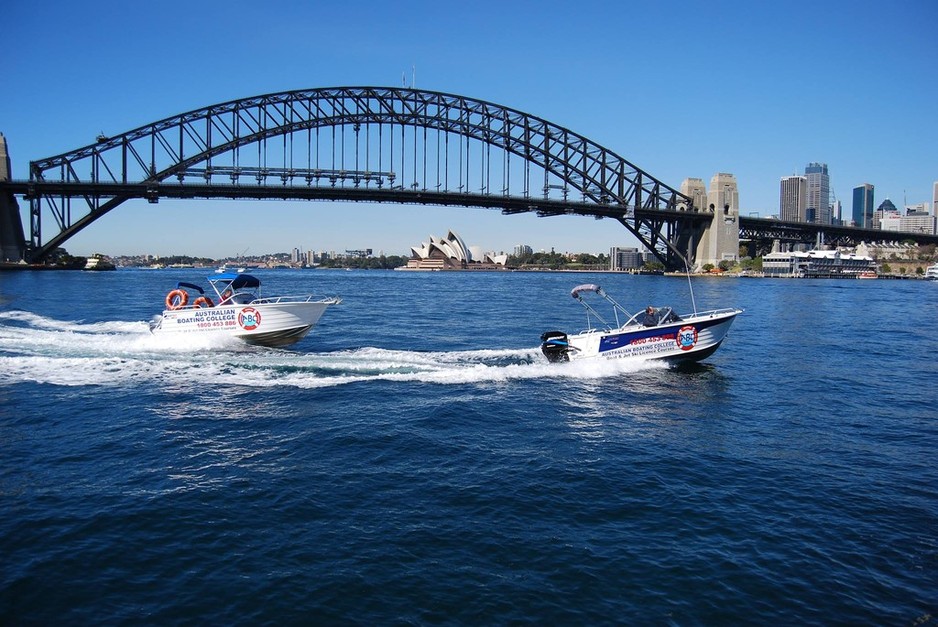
(554, 346)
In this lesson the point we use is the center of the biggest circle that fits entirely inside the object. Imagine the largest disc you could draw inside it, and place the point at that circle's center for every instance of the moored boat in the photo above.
(238, 310)
(654, 333)
(931, 273)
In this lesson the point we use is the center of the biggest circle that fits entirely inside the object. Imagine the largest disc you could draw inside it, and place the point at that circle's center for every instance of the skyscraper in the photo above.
(818, 194)
(793, 199)
(863, 206)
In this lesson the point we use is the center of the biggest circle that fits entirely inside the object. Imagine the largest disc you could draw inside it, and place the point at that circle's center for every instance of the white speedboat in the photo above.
(931, 273)
(237, 310)
(654, 333)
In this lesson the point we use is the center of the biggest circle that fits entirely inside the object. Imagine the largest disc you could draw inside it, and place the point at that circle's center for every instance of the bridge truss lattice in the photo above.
(362, 144)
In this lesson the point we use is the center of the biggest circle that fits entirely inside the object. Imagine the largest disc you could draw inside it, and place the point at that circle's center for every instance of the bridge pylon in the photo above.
(719, 240)
(12, 237)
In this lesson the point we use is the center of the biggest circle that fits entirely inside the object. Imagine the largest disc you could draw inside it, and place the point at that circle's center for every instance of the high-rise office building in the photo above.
(818, 193)
(793, 199)
(934, 199)
(863, 206)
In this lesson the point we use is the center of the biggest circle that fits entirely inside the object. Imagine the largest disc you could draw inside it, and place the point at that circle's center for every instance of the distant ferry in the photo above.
(97, 261)
(932, 272)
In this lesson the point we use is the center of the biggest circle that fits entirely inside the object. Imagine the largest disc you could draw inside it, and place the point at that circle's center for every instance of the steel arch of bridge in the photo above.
(364, 144)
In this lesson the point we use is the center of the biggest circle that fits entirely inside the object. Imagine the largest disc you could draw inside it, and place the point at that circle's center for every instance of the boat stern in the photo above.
(555, 346)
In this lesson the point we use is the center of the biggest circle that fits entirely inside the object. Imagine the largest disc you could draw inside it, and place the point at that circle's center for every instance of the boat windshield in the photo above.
(234, 288)
(660, 315)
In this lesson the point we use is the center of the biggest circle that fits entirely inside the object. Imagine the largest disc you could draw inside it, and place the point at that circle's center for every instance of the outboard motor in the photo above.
(554, 346)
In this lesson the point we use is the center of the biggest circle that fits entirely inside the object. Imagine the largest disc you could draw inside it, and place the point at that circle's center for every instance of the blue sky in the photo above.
(678, 88)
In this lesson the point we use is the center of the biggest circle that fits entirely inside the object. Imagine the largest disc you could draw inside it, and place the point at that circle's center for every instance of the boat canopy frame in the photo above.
(663, 314)
(616, 307)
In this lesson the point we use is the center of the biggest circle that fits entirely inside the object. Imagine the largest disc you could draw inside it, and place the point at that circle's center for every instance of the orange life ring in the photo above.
(177, 299)
(203, 301)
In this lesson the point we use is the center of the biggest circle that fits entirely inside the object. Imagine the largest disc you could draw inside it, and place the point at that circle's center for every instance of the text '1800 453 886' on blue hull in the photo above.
(655, 333)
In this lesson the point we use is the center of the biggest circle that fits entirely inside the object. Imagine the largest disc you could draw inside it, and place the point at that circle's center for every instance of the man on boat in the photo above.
(650, 319)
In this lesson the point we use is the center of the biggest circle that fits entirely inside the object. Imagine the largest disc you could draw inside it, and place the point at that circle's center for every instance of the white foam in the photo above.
(44, 350)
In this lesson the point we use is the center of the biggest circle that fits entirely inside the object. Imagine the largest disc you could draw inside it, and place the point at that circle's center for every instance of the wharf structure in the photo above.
(817, 264)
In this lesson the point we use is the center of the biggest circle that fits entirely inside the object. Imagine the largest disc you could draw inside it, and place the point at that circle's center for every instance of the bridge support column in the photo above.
(720, 241)
(12, 239)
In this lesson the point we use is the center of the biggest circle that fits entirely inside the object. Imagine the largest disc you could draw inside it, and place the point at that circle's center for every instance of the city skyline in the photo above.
(719, 97)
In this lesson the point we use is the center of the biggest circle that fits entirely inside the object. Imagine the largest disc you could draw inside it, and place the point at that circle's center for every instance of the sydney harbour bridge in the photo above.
(370, 144)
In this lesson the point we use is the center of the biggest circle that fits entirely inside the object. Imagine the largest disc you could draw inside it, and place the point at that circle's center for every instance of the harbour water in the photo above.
(415, 460)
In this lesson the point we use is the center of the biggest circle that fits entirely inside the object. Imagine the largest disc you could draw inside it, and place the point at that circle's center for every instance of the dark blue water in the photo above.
(415, 460)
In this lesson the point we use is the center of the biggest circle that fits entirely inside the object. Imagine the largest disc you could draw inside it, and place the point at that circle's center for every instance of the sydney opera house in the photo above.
(451, 253)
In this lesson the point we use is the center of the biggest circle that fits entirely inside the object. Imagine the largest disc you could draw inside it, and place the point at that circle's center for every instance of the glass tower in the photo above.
(863, 206)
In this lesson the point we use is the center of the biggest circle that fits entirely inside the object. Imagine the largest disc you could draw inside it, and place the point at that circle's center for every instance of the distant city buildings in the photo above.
(818, 194)
(808, 198)
(793, 199)
(862, 214)
(625, 259)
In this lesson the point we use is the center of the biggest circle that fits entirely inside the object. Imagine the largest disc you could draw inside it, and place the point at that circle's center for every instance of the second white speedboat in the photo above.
(238, 310)
(654, 333)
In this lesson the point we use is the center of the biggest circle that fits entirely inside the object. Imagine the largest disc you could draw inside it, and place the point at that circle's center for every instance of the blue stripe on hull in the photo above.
(612, 342)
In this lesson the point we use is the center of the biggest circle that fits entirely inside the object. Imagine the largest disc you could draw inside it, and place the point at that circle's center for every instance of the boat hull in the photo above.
(262, 324)
(690, 339)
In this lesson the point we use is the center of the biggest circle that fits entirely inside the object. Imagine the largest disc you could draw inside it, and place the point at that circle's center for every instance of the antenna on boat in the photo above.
(690, 285)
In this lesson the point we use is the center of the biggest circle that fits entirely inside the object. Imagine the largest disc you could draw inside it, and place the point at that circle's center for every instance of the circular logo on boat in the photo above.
(249, 319)
(687, 338)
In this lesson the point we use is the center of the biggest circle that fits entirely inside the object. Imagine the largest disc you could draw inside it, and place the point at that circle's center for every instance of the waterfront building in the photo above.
(793, 199)
(451, 253)
(888, 250)
(625, 259)
(863, 206)
(816, 264)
